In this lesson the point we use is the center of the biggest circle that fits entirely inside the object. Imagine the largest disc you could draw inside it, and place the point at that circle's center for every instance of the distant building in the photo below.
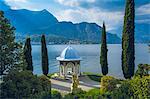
(69, 62)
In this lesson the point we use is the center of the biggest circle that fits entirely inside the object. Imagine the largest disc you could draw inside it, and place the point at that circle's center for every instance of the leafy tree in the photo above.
(24, 84)
(44, 56)
(28, 54)
(103, 57)
(128, 50)
(10, 51)
(20, 84)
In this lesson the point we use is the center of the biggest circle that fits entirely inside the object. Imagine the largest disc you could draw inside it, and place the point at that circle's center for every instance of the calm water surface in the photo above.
(90, 57)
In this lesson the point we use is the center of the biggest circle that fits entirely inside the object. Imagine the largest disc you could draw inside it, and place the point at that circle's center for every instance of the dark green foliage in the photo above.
(123, 92)
(80, 94)
(24, 84)
(143, 70)
(103, 57)
(137, 88)
(20, 84)
(43, 95)
(45, 63)
(46, 83)
(128, 50)
(28, 54)
(56, 95)
(10, 51)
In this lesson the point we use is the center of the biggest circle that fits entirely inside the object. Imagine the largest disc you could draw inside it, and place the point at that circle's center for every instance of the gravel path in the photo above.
(64, 85)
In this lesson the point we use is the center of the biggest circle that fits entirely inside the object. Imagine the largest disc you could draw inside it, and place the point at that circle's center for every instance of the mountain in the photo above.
(27, 21)
(142, 32)
(32, 23)
(4, 6)
(35, 23)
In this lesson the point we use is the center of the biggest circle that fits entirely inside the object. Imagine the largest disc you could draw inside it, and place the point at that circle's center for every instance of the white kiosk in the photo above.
(69, 62)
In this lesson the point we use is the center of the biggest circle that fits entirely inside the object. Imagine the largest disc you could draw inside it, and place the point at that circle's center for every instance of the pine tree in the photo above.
(28, 54)
(45, 63)
(103, 57)
(10, 51)
(128, 50)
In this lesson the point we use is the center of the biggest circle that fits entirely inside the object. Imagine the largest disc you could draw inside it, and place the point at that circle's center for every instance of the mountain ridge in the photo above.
(33, 23)
(38, 22)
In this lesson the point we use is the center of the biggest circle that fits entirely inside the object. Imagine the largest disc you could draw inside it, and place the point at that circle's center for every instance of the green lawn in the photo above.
(93, 76)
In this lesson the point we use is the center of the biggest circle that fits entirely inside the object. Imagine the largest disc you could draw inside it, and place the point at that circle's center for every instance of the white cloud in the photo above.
(21, 1)
(143, 21)
(23, 4)
(73, 3)
(112, 19)
(144, 9)
(16, 4)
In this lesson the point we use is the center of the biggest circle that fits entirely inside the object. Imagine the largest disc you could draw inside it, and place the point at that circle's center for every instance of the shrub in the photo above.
(23, 85)
(108, 83)
(123, 92)
(55, 94)
(93, 94)
(141, 87)
(20, 84)
(137, 88)
(77, 95)
(46, 83)
(142, 70)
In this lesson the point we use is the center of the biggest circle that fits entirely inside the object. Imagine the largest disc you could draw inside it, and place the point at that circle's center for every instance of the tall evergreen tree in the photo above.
(103, 57)
(10, 51)
(128, 50)
(28, 54)
(44, 56)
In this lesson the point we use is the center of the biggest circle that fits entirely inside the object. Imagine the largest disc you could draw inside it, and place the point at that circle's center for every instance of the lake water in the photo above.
(90, 57)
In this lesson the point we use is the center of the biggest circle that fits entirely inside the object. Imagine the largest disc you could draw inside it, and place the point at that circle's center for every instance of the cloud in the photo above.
(112, 19)
(144, 9)
(143, 14)
(70, 3)
(23, 4)
(16, 4)
(143, 21)
(73, 3)
(95, 11)
(21, 1)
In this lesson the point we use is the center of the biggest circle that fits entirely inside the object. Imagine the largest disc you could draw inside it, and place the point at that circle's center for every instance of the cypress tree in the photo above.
(128, 50)
(28, 54)
(103, 57)
(45, 63)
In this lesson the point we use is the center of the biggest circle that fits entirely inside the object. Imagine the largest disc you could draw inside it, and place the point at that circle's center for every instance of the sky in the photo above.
(93, 11)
